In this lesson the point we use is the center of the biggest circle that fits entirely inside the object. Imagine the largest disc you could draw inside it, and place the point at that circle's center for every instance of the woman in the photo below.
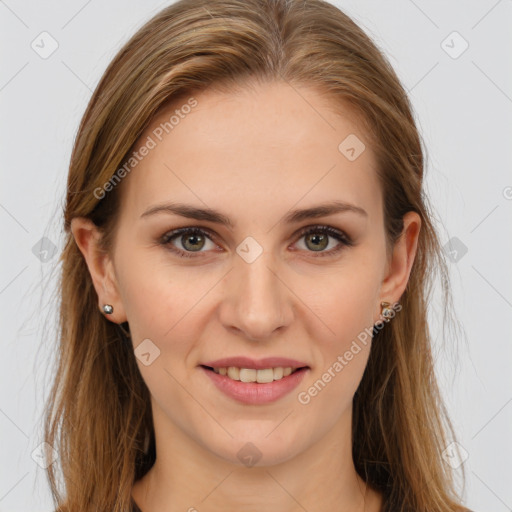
(246, 275)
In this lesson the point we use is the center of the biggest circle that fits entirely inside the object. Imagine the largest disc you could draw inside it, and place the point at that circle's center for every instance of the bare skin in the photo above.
(254, 156)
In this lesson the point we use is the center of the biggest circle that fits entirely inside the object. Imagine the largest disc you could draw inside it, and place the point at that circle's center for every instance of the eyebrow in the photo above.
(294, 216)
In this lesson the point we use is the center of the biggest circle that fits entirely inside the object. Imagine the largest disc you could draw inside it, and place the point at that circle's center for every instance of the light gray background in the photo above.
(464, 110)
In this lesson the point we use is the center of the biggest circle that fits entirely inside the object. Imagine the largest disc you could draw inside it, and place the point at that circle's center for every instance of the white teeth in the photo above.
(263, 376)
(248, 375)
(233, 373)
(278, 373)
(252, 375)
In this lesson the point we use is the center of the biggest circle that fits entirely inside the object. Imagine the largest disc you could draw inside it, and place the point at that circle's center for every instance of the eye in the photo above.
(190, 239)
(316, 239)
(187, 241)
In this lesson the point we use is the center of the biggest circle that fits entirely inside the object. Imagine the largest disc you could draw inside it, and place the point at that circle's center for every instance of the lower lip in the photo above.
(254, 393)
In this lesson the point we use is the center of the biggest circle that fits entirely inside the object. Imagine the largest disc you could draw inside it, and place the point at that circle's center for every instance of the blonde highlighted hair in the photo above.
(98, 414)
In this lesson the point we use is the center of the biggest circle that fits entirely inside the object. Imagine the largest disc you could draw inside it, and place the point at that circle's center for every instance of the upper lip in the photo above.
(258, 364)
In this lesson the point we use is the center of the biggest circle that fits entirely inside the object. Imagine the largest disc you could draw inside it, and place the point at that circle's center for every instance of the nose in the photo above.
(257, 302)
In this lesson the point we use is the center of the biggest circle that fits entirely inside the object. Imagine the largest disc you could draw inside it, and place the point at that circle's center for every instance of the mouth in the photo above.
(255, 386)
(253, 375)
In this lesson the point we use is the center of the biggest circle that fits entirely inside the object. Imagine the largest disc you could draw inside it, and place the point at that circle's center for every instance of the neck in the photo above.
(188, 477)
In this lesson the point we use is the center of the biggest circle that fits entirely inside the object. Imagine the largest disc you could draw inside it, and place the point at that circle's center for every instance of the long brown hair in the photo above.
(98, 415)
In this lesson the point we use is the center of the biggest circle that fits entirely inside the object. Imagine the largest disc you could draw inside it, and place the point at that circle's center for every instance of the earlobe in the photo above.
(87, 237)
(404, 253)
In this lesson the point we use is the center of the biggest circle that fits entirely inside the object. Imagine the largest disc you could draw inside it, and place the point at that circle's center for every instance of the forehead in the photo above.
(253, 150)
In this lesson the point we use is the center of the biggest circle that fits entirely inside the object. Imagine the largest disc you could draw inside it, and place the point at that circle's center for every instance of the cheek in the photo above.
(162, 305)
(158, 297)
(345, 300)
(347, 307)
(343, 351)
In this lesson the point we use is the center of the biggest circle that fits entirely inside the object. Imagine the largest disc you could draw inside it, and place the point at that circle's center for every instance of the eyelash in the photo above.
(345, 241)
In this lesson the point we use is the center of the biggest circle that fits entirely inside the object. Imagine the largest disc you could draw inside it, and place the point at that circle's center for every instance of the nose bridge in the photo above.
(258, 303)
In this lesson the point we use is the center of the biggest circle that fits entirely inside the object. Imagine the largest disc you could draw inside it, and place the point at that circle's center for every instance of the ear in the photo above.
(87, 236)
(399, 267)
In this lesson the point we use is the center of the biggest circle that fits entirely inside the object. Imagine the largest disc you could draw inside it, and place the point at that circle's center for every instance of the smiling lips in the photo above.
(255, 381)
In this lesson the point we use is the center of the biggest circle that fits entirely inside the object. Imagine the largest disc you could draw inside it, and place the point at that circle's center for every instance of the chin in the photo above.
(257, 449)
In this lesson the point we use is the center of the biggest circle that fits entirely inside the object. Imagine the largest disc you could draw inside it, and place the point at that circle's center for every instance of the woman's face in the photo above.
(251, 168)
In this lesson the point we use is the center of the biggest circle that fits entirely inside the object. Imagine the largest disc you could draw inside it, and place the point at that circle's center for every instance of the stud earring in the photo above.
(386, 310)
(108, 309)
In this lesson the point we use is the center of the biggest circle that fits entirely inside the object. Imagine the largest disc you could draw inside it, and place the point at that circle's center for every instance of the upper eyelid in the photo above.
(173, 233)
